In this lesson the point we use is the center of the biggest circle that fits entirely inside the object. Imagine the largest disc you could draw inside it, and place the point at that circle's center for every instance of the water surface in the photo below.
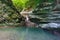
(22, 33)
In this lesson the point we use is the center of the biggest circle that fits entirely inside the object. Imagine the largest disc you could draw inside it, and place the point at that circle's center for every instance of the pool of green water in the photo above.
(23, 33)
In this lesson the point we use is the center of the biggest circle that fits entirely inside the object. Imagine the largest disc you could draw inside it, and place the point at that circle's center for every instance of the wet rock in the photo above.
(30, 24)
(50, 25)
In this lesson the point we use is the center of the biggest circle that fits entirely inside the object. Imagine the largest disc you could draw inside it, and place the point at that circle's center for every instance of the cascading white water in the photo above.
(25, 13)
(27, 19)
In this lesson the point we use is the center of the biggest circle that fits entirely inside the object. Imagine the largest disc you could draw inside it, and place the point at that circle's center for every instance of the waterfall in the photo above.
(27, 19)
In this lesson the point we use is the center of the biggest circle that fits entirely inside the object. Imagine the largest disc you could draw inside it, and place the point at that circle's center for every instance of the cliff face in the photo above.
(42, 13)
(7, 14)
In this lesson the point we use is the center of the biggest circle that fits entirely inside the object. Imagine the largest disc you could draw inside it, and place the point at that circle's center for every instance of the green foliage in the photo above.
(19, 3)
(25, 3)
(33, 3)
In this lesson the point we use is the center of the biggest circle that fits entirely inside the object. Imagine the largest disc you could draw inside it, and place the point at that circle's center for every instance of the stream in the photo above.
(24, 33)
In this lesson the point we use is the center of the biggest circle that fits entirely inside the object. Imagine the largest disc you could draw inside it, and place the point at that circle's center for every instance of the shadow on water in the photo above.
(25, 33)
